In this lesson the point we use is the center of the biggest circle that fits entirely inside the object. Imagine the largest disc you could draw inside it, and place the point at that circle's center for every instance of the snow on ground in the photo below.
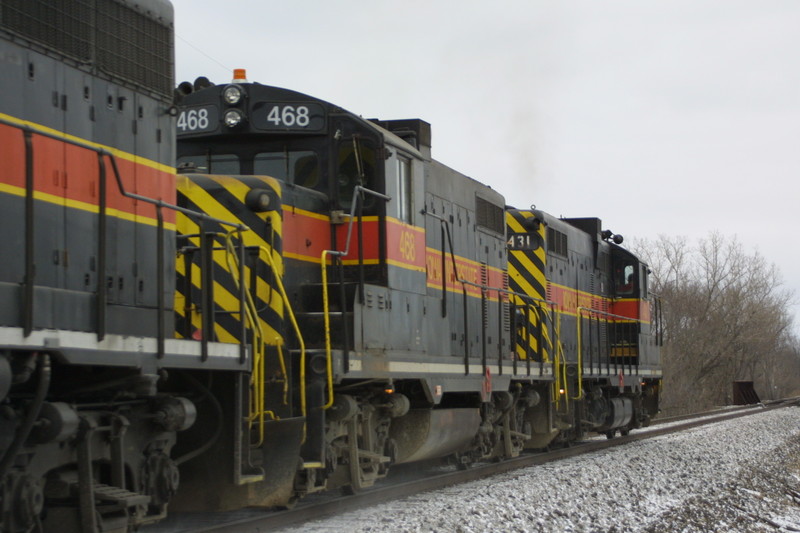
(736, 475)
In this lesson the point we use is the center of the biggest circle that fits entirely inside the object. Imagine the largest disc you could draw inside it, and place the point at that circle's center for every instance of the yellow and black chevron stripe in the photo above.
(223, 197)
(526, 273)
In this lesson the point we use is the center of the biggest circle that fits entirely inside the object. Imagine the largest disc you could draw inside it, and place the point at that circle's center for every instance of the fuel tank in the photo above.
(430, 433)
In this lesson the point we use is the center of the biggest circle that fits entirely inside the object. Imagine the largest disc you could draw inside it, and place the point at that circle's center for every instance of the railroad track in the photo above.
(398, 486)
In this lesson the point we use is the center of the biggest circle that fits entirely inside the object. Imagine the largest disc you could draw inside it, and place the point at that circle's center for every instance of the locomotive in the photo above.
(413, 314)
(308, 301)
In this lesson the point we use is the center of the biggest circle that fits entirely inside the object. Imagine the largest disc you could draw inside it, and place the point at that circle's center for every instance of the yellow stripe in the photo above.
(315, 260)
(351, 262)
(238, 189)
(512, 222)
(83, 206)
(325, 218)
(463, 259)
(228, 303)
(297, 211)
(201, 198)
(491, 295)
(584, 293)
(406, 266)
(405, 225)
(608, 302)
(301, 257)
(526, 266)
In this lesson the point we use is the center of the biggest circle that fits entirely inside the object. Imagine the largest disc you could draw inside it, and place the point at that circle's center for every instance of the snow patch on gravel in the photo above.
(735, 475)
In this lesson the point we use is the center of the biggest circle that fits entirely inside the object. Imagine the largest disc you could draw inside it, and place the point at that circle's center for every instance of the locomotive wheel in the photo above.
(357, 477)
(349, 490)
(289, 504)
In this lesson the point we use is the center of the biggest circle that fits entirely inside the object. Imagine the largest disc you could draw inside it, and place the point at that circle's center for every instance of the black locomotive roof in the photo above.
(203, 92)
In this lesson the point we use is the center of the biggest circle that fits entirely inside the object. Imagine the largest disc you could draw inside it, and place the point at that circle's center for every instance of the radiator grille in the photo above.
(489, 216)
(113, 38)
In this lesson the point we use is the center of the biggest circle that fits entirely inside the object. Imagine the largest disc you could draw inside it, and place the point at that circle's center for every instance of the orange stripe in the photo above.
(405, 245)
(71, 172)
(305, 236)
(632, 308)
(467, 270)
(568, 300)
(12, 154)
(369, 228)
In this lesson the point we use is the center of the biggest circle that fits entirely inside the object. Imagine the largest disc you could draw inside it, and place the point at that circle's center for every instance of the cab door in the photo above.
(357, 161)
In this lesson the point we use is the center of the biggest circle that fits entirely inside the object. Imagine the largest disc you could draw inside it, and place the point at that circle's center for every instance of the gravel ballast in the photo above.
(736, 475)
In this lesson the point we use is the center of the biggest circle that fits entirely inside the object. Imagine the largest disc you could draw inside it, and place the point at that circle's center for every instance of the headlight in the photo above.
(232, 94)
(233, 117)
(258, 200)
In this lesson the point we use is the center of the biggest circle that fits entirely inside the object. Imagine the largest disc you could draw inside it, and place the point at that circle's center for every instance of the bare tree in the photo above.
(726, 318)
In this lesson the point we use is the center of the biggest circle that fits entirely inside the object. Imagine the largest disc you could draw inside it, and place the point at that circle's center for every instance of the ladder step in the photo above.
(333, 315)
(313, 327)
(372, 456)
(124, 497)
(249, 478)
(312, 296)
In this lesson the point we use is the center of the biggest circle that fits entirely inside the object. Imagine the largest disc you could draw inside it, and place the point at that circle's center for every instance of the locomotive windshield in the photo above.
(298, 165)
(211, 163)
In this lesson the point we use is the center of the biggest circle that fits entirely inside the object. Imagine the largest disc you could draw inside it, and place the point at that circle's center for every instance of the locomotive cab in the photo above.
(629, 304)
(636, 335)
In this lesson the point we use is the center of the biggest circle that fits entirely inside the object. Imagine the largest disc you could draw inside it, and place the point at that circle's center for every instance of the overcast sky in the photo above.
(675, 117)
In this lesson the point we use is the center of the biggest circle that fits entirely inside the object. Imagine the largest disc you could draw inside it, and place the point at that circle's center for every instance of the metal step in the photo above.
(120, 496)
(313, 327)
(312, 296)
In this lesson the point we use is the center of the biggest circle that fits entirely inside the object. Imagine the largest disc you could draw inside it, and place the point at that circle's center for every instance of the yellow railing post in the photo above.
(327, 322)
(289, 311)
(257, 410)
(579, 317)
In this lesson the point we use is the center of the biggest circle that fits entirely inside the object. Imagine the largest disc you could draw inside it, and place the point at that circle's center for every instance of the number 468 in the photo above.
(289, 116)
(193, 119)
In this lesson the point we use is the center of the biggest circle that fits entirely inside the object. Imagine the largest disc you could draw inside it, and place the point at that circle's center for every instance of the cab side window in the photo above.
(404, 192)
(645, 281)
(355, 166)
(625, 278)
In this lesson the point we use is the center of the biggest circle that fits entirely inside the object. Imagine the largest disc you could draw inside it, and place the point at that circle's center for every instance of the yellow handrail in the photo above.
(327, 322)
(288, 308)
(580, 354)
(559, 362)
(257, 380)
